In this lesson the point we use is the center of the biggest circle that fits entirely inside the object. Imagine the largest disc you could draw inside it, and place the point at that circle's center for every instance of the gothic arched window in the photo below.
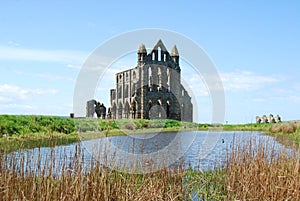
(168, 108)
(168, 79)
(150, 80)
(159, 54)
(134, 75)
(159, 78)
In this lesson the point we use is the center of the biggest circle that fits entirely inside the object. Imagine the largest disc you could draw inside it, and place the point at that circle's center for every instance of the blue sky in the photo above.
(255, 46)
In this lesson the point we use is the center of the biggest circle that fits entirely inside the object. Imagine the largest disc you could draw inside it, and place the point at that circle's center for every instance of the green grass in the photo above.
(28, 141)
(11, 125)
(16, 130)
(208, 185)
(246, 127)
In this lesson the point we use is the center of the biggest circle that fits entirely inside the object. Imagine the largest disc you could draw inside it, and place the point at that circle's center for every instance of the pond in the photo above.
(200, 150)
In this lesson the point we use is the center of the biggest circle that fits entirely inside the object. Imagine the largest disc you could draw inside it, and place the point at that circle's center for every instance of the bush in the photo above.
(129, 126)
(145, 124)
(283, 128)
(141, 123)
(170, 123)
(20, 125)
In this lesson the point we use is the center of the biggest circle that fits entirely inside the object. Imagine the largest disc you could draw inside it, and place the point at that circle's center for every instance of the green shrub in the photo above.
(20, 125)
(170, 123)
(129, 126)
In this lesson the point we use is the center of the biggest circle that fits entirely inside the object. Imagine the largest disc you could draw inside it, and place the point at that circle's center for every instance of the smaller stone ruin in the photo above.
(271, 119)
(93, 107)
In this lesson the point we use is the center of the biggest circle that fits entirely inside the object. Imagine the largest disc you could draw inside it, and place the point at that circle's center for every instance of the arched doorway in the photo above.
(168, 109)
(126, 110)
(159, 109)
(133, 110)
(182, 111)
(114, 111)
(149, 115)
(120, 111)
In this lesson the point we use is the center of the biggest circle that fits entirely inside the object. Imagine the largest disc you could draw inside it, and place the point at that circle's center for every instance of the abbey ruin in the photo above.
(264, 119)
(152, 89)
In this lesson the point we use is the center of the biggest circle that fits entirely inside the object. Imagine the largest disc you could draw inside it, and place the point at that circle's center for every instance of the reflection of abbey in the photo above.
(152, 89)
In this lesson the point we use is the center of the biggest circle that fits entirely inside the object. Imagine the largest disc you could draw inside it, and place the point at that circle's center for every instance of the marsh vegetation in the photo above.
(249, 172)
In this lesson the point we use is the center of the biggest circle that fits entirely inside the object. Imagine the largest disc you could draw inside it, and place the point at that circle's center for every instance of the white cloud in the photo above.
(295, 99)
(23, 54)
(13, 44)
(259, 100)
(237, 81)
(101, 89)
(73, 66)
(45, 76)
(53, 77)
(17, 107)
(195, 85)
(106, 64)
(13, 92)
(297, 86)
(245, 80)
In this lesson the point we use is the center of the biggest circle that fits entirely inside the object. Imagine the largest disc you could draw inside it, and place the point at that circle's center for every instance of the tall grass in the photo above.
(251, 173)
(20, 181)
(262, 174)
(287, 133)
(284, 128)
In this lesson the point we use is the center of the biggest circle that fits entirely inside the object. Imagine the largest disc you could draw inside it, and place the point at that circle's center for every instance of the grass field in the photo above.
(30, 131)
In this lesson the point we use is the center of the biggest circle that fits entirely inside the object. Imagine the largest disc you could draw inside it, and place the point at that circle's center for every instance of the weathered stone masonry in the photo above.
(152, 89)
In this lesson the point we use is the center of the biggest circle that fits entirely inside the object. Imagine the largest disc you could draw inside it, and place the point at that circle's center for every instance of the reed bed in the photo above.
(99, 184)
(19, 181)
(252, 172)
(261, 173)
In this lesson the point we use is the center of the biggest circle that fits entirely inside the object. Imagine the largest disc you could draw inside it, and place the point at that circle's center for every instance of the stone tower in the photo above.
(152, 89)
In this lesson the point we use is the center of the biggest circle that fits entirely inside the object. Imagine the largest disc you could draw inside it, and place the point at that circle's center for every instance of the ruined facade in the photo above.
(93, 107)
(152, 89)
(264, 119)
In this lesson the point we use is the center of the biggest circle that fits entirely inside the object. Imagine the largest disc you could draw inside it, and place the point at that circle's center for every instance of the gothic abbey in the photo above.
(153, 89)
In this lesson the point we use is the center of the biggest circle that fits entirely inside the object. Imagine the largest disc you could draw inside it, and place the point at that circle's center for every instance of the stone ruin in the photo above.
(93, 107)
(152, 89)
(271, 119)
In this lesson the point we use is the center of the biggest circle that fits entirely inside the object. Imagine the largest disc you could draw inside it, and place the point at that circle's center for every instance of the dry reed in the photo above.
(253, 172)
(18, 182)
(262, 174)
(283, 128)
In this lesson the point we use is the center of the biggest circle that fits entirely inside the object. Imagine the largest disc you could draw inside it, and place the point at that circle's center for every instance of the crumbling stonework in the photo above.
(153, 89)
(271, 119)
(93, 107)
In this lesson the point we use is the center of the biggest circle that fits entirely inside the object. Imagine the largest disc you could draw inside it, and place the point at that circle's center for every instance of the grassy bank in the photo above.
(29, 131)
(35, 131)
(287, 133)
(19, 131)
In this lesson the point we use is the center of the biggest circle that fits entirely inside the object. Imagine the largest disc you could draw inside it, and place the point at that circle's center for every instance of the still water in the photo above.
(201, 150)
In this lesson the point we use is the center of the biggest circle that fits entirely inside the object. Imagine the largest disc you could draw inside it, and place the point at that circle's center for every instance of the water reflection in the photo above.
(114, 151)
